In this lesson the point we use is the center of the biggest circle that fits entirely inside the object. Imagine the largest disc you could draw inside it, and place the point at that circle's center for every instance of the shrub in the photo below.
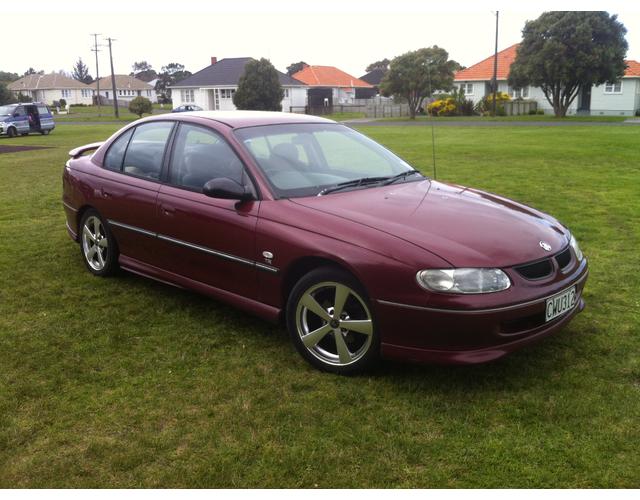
(24, 97)
(140, 105)
(540, 112)
(485, 106)
(79, 105)
(56, 104)
(637, 112)
(63, 103)
(442, 107)
(533, 112)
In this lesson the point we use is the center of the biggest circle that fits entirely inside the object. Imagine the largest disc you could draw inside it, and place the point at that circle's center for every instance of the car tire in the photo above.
(24, 134)
(331, 323)
(11, 132)
(45, 132)
(97, 244)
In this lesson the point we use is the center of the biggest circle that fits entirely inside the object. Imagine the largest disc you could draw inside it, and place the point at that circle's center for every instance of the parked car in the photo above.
(299, 218)
(186, 107)
(25, 118)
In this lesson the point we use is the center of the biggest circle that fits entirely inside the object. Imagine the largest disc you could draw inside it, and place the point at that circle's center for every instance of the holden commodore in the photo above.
(304, 220)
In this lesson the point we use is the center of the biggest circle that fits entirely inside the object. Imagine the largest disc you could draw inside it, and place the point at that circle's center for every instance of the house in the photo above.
(372, 78)
(213, 87)
(127, 88)
(616, 98)
(329, 85)
(52, 87)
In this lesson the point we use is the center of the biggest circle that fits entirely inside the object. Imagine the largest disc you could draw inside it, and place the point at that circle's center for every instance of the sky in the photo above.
(348, 34)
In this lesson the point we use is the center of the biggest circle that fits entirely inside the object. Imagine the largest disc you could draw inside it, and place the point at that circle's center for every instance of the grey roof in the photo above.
(374, 77)
(227, 72)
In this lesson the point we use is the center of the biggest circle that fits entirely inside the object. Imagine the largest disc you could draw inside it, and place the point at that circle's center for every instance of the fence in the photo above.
(519, 107)
(374, 109)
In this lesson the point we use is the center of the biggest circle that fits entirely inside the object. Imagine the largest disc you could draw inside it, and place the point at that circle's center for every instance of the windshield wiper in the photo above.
(401, 175)
(354, 183)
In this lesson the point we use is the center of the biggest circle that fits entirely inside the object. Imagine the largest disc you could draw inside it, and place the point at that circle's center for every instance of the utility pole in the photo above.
(495, 68)
(96, 50)
(113, 80)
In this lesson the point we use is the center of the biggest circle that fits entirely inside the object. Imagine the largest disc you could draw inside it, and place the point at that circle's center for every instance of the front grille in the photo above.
(535, 271)
(563, 258)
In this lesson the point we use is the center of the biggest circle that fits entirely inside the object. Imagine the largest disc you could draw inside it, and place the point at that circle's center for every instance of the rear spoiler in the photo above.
(78, 152)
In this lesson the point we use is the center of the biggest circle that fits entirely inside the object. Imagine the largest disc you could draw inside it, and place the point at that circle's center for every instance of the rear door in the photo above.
(206, 239)
(21, 119)
(129, 188)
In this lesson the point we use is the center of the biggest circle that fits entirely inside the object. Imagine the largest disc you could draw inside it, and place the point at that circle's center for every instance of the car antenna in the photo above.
(430, 118)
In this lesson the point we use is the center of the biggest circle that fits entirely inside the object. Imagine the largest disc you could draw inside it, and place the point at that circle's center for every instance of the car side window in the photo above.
(144, 155)
(115, 156)
(199, 155)
(19, 111)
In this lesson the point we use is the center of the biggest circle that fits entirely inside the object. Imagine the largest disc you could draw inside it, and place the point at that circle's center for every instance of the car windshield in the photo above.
(317, 158)
(7, 110)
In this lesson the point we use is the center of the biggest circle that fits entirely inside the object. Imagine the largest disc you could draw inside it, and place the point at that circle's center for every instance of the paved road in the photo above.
(479, 123)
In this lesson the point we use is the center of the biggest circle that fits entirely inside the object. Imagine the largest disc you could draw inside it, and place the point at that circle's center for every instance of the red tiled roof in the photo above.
(484, 69)
(328, 76)
(633, 68)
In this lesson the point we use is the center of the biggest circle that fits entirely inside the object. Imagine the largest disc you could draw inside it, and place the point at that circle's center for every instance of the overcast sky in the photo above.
(346, 34)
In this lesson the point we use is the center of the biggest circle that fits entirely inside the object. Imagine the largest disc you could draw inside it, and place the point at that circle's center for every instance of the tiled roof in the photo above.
(484, 69)
(374, 77)
(633, 68)
(328, 76)
(122, 82)
(50, 81)
(227, 72)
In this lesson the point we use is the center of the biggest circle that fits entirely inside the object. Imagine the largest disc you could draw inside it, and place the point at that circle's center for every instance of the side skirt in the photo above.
(264, 311)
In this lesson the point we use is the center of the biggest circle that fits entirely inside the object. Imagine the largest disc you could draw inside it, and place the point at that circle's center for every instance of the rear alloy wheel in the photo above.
(330, 322)
(98, 245)
(11, 132)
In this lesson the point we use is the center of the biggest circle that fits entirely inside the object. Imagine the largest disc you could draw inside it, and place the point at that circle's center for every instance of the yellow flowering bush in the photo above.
(442, 107)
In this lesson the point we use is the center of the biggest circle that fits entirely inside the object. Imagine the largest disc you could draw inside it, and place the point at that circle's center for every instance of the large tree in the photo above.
(142, 70)
(81, 72)
(6, 97)
(259, 87)
(417, 74)
(169, 75)
(8, 77)
(383, 65)
(295, 67)
(32, 71)
(561, 52)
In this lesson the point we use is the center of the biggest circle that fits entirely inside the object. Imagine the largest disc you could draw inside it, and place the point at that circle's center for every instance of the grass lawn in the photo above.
(104, 114)
(344, 116)
(515, 118)
(124, 382)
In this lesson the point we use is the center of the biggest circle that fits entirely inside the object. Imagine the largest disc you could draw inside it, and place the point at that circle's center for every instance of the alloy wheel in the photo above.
(95, 244)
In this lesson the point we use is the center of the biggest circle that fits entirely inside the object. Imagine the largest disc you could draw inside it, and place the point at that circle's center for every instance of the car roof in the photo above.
(237, 119)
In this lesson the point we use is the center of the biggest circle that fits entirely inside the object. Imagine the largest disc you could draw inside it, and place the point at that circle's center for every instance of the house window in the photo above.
(522, 93)
(66, 93)
(286, 93)
(187, 95)
(227, 93)
(467, 88)
(613, 88)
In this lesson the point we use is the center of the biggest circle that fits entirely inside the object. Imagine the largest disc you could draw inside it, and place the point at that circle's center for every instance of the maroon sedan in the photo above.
(301, 218)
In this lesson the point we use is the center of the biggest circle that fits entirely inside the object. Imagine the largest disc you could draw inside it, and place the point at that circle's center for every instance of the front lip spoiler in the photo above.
(480, 311)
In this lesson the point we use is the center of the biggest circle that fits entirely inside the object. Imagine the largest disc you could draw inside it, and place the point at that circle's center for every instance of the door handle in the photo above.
(169, 211)
(104, 194)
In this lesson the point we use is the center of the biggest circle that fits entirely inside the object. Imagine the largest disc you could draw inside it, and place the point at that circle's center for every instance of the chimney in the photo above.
(214, 60)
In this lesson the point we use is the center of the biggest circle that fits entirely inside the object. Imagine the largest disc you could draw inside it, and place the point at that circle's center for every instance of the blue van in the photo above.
(25, 118)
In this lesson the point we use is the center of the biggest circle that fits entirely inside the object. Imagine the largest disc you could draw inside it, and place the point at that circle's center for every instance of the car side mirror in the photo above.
(227, 189)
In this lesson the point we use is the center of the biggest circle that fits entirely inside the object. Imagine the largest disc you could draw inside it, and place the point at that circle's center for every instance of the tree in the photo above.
(562, 52)
(142, 70)
(140, 105)
(170, 74)
(417, 74)
(259, 87)
(7, 77)
(295, 67)
(6, 97)
(81, 72)
(32, 71)
(383, 65)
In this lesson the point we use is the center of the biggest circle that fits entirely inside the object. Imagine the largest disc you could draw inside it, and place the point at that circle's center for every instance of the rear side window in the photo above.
(43, 110)
(115, 155)
(144, 155)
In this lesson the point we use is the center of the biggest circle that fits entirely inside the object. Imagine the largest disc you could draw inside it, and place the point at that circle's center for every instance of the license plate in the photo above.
(560, 303)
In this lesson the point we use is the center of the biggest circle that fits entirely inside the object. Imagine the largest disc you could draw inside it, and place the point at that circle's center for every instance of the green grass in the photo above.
(124, 382)
(515, 118)
(104, 114)
(344, 116)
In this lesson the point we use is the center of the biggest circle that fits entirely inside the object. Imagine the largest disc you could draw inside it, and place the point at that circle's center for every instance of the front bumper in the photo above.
(457, 336)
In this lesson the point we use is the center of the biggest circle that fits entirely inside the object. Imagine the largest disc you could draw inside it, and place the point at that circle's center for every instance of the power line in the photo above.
(96, 50)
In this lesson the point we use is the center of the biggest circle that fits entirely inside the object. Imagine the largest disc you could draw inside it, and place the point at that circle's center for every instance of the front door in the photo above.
(207, 239)
(584, 99)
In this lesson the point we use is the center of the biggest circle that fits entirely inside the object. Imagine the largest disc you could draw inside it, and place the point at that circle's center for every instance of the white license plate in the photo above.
(560, 303)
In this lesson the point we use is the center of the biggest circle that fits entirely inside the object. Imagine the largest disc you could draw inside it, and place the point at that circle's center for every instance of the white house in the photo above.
(329, 85)
(127, 88)
(52, 87)
(617, 98)
(213, 87)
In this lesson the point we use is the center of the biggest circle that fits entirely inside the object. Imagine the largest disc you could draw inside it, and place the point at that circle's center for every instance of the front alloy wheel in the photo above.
(97, 244)
(331, 323)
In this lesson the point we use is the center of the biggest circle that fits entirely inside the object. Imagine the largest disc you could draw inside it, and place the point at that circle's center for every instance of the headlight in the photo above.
(463, 280)
(576, 249)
